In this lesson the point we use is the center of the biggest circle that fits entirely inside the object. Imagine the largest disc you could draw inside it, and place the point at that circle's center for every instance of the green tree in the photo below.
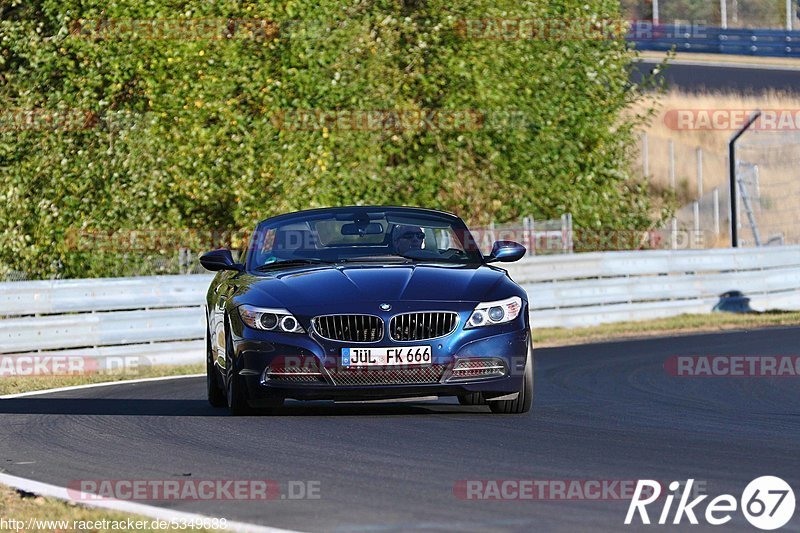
(188, 132)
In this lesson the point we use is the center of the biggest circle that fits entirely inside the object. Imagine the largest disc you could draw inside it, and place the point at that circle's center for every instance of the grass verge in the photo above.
(32, 513)
(682, 324)
(13, 385)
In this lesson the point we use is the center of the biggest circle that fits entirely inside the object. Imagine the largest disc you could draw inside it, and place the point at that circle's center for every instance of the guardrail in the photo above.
(593, 288)
(160, 319)
(743, 41)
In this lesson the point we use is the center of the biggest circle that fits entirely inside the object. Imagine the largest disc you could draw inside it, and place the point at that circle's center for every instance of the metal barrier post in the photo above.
(732, 176)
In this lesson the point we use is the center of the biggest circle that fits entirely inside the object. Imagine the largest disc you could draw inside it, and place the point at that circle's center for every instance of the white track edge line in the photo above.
(96, 385)
(158, 513)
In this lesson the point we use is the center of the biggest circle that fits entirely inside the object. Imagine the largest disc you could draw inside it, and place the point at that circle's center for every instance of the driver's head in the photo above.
(407, 238)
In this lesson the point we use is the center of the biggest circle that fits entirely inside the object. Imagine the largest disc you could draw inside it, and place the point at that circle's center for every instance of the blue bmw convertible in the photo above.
(366, 303)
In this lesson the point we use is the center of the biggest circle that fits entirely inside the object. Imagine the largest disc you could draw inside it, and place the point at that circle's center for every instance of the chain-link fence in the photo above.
(768, 182)
(768, 179)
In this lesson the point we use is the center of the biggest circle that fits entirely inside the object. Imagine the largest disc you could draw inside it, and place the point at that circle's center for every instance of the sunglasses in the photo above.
(413, 235)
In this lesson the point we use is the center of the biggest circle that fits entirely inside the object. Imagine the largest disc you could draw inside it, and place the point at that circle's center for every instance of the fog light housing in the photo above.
(294, 369)
(476, 369)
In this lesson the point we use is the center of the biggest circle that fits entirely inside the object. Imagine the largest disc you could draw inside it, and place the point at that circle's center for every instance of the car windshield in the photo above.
(345, 235)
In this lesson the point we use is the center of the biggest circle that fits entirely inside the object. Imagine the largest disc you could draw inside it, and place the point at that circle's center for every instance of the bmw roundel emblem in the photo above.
(386, 307)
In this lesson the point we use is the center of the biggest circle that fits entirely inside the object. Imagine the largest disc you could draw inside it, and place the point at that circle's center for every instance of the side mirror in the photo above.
(220, 260)
(506, 252)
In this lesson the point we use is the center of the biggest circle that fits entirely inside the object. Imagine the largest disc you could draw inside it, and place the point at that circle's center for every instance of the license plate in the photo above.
(394, 356)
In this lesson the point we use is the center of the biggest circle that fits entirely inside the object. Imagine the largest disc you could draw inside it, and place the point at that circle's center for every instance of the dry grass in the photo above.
(777, 154)
(713, 143)
(13, 385)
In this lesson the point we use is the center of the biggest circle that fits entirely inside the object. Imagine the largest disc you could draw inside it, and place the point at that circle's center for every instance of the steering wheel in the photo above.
(450, 253)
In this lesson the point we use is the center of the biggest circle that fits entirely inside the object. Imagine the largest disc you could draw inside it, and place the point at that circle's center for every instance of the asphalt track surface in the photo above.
(601, 412)
(721, 77)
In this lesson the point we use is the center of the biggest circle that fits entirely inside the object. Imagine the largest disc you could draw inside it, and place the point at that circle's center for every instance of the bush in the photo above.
(207, 133)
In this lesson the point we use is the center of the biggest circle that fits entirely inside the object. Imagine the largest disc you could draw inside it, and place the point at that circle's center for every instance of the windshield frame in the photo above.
(455, 222)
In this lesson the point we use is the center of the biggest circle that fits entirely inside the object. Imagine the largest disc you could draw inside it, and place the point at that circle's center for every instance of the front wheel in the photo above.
(525, 397)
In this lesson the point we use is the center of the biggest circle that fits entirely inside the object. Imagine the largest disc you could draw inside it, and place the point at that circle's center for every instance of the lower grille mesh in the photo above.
(388, 376)
(294, 369)
(295, 378)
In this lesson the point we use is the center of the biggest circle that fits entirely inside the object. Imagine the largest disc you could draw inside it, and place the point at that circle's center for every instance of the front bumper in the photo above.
(258, 353)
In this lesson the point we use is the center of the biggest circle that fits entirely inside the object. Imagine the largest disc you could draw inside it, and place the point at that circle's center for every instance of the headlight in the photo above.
(270, 319)
(491, 313)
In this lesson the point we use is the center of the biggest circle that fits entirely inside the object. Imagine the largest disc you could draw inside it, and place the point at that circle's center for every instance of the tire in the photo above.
(525, 398)
(235, 388)
(216, 397)
(472, 398)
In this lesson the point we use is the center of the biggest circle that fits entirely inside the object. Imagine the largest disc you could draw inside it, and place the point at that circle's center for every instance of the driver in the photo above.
(407, 238)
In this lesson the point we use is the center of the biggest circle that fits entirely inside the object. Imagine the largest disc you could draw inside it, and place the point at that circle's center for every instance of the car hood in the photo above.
(329, 285)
